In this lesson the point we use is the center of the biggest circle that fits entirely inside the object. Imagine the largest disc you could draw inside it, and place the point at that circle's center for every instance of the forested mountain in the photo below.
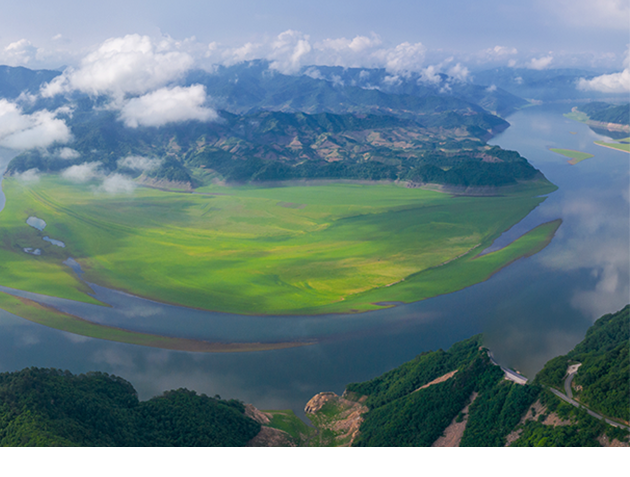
(17, 80)
(607, 113)
(252, 86)
(441, 398)
(439, 147)
(324, 123)
(459, 398)
(49, 407)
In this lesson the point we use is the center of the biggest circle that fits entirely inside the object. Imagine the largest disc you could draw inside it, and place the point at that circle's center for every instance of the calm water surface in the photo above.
(533, 310)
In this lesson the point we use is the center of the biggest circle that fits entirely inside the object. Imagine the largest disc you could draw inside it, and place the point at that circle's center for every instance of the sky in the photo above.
(484, 33)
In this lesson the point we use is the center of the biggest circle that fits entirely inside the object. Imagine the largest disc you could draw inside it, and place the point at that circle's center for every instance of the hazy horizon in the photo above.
(402, 35)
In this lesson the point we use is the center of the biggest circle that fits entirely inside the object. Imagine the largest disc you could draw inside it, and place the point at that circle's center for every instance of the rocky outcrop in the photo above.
(267, 437)
(343, 419)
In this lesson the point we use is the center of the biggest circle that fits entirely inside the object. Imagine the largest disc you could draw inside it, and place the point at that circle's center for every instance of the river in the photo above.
(531, 311)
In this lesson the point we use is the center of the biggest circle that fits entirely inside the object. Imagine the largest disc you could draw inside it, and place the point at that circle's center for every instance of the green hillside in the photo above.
(49, 407)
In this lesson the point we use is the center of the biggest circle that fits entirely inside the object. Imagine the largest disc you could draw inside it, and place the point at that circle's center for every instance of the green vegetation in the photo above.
(576, 429)
(446, 147)
(575, 156)
(48, 407)
(47, 316)
(281, 250)
(287, 421)
(404, 411)
(495, 413)
(607, 113)
(576, 115)
(605, 369)
(613, 145)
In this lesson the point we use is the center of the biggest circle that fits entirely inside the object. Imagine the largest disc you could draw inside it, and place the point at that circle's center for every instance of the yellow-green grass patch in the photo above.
(625, 147)
(240, 249)
(456, 274)
(574, 156)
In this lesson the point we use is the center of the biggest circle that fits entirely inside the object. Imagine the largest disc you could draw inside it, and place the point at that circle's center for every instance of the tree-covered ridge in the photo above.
(49, 407)
(603, 380)
(405, 409)
(607, 113)
(442, 147)
(250, 86)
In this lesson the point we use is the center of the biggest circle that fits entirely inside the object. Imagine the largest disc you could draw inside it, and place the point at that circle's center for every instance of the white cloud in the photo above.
(539, 63)
(247, 52)
(167, 105)
(28, 177)
(26, 131)
(314, 73)
(498, 54)
(292, 50)
(117, 184)
(139, 163)
(492, 88)
(612, 83)
(404, 57)
(288, 51)
(83, 172)
(357, 44)
(430, 75)
(68, 153)
(458, 73)
(132, 64)
(19, 53)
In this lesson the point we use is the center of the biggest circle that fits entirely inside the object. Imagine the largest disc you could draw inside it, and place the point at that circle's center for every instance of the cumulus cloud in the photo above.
(539, 63)
(458, 73)
(431, 75)
(67, 153)
(139, 163)
(500, 51)
(25, 131)
(492, 88)
(133, 64)
(19, 53)
(292, 50)
(612, 83)
(288, 51)
(117, 184)
(167, 105)
(357, 44)
(402, 58)
(498, 54)
(28, 177)
(83, 173)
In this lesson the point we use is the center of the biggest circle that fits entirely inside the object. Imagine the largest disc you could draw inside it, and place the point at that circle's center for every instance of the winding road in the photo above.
(568, 397)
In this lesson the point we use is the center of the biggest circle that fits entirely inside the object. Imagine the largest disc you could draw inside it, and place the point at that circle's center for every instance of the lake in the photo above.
(531, 311)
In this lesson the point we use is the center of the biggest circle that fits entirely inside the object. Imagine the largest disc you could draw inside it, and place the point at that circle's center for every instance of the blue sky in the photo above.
(588, 33)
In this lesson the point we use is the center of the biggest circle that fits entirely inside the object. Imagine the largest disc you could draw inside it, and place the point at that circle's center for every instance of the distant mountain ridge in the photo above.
(252, 85)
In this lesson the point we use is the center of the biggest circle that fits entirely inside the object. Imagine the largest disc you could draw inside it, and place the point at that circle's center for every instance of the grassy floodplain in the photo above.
(256, 250)
(574, 156)
(619, 146)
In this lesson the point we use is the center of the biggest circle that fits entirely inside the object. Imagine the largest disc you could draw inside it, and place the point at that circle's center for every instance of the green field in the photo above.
(620, 146)
(255, 250)
(574, 156)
